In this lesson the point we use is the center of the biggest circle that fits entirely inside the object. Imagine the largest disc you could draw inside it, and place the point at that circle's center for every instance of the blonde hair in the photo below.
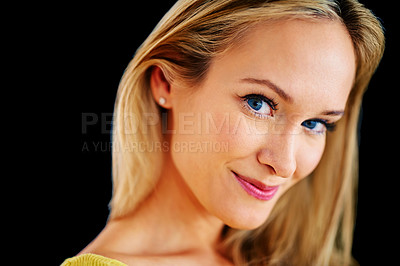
(312, 223)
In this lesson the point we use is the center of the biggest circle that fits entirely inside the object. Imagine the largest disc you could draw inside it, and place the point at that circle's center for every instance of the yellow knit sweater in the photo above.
(91, 260)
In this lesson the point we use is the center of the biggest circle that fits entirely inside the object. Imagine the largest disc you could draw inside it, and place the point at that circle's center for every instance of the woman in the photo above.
(235, 136)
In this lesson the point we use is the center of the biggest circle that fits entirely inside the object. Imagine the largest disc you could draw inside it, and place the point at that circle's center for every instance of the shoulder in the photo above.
(99, 260)
(91, 259)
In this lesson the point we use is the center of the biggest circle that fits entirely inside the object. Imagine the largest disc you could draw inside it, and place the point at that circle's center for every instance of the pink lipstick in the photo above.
(256, 188)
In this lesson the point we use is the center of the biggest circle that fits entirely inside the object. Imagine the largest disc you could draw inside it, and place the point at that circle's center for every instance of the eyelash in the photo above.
(270, 102)
(329, 126)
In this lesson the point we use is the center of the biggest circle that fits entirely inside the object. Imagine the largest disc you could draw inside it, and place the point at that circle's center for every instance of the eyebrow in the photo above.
(271, 85)
(333, 113)
(284, 95)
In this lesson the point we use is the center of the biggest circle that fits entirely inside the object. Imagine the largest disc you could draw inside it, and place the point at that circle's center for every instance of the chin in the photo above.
(247, 220)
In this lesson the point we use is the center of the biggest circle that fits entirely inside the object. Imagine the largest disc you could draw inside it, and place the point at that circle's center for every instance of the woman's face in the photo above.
(257, 124)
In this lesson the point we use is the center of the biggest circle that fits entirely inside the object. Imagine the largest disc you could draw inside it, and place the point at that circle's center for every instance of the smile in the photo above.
(255, 188)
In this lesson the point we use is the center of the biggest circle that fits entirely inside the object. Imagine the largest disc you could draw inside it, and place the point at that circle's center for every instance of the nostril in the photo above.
(281, 163)
(271, 169)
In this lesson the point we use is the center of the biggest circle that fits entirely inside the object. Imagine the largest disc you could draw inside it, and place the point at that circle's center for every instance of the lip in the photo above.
(256, 188)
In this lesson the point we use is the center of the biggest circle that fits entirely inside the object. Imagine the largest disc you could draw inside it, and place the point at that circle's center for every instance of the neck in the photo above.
(171, 220)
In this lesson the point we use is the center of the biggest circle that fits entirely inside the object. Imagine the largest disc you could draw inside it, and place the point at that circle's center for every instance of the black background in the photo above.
(87, 49)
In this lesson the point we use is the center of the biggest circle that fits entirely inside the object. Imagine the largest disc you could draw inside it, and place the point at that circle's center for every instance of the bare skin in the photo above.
(142, 232)
(306, 67)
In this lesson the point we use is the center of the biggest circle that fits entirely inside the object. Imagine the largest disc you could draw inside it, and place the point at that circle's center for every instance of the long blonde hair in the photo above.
(312, 223)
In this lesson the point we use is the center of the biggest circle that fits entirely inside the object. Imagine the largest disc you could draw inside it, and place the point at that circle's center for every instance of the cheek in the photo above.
(199, 147)
(240, 134)
(308, 158)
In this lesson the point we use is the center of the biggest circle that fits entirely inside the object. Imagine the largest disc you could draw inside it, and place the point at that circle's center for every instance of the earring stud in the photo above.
(162, 101)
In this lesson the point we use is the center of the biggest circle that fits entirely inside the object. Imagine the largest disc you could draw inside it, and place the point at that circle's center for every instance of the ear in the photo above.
(160, 87)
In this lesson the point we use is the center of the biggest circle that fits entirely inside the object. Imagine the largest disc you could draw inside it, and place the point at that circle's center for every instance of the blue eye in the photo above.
(310, 124)
(260, 105)
(318, 126)
(256, 104)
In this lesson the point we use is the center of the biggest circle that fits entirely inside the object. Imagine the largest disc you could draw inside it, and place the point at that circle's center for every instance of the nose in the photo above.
(279, 153)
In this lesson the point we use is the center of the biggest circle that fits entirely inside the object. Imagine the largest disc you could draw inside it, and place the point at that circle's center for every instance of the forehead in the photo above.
(308, 59)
